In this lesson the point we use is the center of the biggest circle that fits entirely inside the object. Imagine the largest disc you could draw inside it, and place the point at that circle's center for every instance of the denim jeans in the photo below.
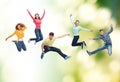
(106, 46)
(74, 41)
(38, 34)
(20, 45)
(48, 48)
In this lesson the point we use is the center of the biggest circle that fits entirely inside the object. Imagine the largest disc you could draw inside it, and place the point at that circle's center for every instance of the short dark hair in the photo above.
(77, 21)
(51, 34)
(101, 30)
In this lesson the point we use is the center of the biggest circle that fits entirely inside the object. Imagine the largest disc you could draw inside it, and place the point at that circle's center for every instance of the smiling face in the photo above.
(19, 26)
(77, 23)
(101, 31)
(51, 35)
(37, 16)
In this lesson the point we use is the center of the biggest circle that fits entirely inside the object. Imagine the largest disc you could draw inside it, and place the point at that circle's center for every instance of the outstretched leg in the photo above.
(97, 50)
(47, 48)
(58, 51)
(109, 48)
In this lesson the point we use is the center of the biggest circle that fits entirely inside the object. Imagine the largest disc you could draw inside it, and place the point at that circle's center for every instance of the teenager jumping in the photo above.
(47, 46)
(107, 41)
(19, 32)
(37, 21)
(76, 29)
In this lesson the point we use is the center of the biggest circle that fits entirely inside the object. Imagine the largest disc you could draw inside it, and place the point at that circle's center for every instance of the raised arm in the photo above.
(30, 14)
(43, 15)
(111, 29)
(72, 20)
(62, 36)
(10, 36)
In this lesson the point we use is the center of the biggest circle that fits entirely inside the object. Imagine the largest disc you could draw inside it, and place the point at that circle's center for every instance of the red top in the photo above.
(37, 22)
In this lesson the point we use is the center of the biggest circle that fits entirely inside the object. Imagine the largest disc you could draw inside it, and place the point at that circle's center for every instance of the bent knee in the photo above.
(72, 44)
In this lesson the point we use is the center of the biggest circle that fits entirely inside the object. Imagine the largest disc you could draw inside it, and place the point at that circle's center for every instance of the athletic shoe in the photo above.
(67, 57)
(42, 55)
(88, 52)
(84, 43)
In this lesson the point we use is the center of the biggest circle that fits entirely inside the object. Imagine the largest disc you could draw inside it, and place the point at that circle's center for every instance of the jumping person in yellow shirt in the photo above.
(47, 45)
(19, 32)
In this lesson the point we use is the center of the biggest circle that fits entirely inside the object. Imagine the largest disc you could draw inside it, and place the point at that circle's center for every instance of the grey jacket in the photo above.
(105, 37)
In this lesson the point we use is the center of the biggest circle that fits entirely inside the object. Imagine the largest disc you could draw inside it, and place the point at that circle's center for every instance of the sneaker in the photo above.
(88, 52)
(84, 43)
(67, 57)
(42, 55)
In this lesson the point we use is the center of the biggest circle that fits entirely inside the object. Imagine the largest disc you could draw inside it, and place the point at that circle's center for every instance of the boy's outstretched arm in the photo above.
(62, 36)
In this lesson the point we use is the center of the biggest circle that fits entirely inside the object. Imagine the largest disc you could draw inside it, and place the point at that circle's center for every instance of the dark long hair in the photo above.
(38, 16)
(21, 25)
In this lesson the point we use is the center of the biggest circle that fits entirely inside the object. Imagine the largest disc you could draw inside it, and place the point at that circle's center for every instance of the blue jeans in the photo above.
(75, 43)
(48, 48)
(20, 45)
(38, 34)
(106, 46)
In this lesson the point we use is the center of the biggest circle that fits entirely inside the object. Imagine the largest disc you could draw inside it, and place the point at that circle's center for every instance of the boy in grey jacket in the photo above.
(107, 41)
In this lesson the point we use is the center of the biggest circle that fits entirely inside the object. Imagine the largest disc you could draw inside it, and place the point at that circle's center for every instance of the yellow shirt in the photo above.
(48, 42)
(18, 33)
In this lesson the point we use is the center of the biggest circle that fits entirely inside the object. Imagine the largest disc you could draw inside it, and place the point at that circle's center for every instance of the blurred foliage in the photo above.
(1, 80)
(113, 5)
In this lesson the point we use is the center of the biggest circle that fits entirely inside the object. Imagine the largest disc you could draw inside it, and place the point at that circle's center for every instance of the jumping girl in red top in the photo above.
(37, 21)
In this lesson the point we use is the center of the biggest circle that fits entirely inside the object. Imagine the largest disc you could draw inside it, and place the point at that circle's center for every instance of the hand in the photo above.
(6, 39)
(68, 34)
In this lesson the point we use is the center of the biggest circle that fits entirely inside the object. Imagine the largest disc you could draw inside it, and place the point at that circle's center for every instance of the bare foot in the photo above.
(35, 43)
(28, 41)
(14, 41)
